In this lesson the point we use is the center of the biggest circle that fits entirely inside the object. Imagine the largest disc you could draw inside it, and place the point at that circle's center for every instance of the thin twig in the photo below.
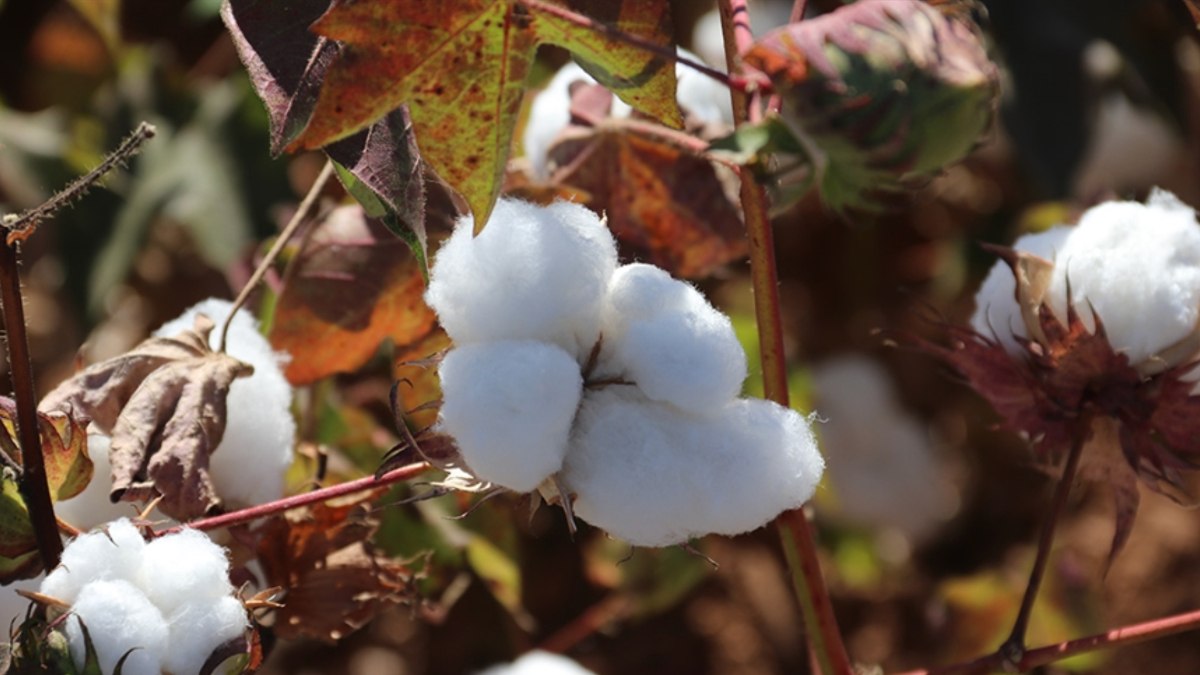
(33, 484)
(21, 226)
(739, 83)
(1117, 637)
(1013, 648)
(592, 621)
(795, 532)
(278, 506)
(280, 241)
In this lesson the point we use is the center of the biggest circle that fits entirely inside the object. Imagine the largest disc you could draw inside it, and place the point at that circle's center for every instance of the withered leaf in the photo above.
(333, 579)
(64, 448)
(665, 203)
(164, 405)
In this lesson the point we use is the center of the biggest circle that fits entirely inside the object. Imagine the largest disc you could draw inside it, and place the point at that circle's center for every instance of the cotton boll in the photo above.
(1138, 267)
(113, 552)
(653, 475)
(184, 568)
(884, 473)
(119, 618)
(248, 466)
(663, 335)
(539, 663)
(996, 312)
(198, 629)
(534, 273)
(509, 405)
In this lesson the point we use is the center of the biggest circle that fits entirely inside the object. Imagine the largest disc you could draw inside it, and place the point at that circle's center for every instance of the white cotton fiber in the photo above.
(111, 552)
(663, 335)
(534, 273)
(184, 568)
(92, 507)
(884, 472)
(509, 405)
(171, 598)
(1138, 267)
(248, 466)
(539, 663)
(119, 618)
(996, 311)
(206, 627)
(653, 475)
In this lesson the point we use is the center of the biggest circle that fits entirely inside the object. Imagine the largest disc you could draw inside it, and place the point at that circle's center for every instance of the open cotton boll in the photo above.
(663, 335)
(248, 466)
(539, 663)
(509, 406)
(1138, 267)
(119, 619)
(885, 473)
(92, 507)
(112, 552)
(653, 475)
(996, 311)
(534, 273)
(184, 568)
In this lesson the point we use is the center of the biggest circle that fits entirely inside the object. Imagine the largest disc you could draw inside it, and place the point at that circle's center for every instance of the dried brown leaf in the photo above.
(164, 405)
(333, 579)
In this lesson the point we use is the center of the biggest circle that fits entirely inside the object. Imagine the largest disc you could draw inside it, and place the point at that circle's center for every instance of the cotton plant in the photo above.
(610, 389)
(1085, 340)
(160, 607)
(703, 99)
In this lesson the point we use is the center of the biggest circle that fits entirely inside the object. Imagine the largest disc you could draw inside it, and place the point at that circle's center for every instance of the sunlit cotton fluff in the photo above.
(534, 273)
(248, 466)
(653, 475)
(539, 663)
(664, 335)
(996, 312)
(1138, 267)
(509, 405)
(170, 600)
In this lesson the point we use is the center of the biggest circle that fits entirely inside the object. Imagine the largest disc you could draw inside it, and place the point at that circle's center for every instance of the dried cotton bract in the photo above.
(169, 601)
(638, 420)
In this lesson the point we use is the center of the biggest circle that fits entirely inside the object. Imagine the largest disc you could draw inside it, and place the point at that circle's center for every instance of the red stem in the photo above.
(593, 619)
(1125, 635)
(278, 506)
(33, 485)
(824, 639)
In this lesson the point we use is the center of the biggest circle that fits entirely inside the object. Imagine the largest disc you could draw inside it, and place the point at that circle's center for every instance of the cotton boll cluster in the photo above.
(248, 466)
(539, 663)
(640, 424)
(169, 601)
(884, 473)
(698, 95)
(1136, 266)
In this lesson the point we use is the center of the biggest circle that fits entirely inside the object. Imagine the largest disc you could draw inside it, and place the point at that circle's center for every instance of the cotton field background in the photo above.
(569, 397)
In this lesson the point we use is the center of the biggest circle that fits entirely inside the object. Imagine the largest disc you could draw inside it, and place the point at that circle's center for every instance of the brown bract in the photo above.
(1142, 423)
(334, 582)
(163, 403)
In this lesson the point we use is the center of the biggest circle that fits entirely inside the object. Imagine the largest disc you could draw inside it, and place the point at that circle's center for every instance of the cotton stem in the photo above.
(33, 484)
(795, 532)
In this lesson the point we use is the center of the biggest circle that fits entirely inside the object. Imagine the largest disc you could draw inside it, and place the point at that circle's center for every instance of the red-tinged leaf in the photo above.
(164, 405)
(64, 448)
(334, 581)
(287, 62)
(354, 286)
(666, 204)
(462, 67)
